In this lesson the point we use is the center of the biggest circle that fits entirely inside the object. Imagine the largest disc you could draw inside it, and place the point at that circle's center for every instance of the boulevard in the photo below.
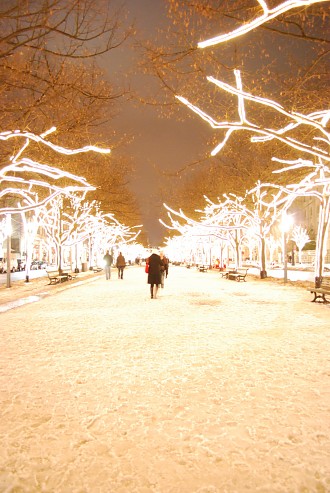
(293, 274)
(215, 386)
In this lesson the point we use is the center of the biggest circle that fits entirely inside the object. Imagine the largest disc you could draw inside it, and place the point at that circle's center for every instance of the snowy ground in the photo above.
(215, 387)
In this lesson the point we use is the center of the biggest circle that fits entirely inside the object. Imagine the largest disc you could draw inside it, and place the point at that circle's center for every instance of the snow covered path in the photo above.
(214, 387)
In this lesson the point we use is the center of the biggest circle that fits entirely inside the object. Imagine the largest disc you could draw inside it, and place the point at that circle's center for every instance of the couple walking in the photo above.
(120, 264)
(157, 271)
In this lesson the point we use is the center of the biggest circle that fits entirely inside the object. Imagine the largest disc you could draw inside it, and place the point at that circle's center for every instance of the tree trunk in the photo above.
(322, 232)
(263, 272)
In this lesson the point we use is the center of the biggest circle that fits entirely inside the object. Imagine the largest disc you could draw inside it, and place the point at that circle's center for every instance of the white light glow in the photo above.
(23, 177)
(315, 120)
(267, 15)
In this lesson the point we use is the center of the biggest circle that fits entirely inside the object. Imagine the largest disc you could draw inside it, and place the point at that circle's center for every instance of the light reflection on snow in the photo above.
(19, 302)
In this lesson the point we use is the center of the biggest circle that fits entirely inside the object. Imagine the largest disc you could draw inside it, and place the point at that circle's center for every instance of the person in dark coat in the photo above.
(121, 263)
(154, 276)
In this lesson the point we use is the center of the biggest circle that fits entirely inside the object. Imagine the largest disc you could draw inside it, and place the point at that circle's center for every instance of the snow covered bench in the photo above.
(321, 292)
(55, 277)
(237, 275)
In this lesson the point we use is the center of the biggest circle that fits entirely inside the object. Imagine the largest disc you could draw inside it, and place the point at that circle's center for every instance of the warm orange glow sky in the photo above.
(159, 144)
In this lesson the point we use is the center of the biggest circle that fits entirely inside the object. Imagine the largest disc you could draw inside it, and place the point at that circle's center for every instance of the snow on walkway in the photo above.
(216, 386)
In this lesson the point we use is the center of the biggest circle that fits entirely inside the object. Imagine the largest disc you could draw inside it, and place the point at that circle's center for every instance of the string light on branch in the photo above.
(316, 120)
(266, 16)
(25, 177)
(56, 148)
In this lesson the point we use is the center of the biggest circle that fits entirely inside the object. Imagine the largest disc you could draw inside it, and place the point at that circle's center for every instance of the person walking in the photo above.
(166, 262)
(154, 276)
(108, 259)
(163, 271)
(121, 263)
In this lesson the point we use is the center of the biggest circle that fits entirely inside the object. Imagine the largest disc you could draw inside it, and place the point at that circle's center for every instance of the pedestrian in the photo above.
(121, 263)
(108, 259)
(163, 272)
(166, 263)
(154, 276)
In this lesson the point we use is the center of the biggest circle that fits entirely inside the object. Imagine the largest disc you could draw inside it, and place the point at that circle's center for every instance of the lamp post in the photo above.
(76, 255)
(30, 230)
(286, 224)
(8, 231)
(90, 253)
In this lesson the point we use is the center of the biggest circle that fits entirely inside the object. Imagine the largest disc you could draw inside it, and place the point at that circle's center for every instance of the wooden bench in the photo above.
(237, 275)
(70, 275)
(55, 277)
(321, 292)
(202, 268)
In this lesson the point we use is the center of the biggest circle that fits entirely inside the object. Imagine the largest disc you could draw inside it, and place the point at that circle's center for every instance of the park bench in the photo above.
(202, 268)
(70, 275)
(237, 275)
(97, 269)
(321, 291)
(56, 277)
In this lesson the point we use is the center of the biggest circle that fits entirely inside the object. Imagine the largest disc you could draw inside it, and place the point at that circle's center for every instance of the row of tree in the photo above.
(50, 75)
(299, 139)
(54, 202)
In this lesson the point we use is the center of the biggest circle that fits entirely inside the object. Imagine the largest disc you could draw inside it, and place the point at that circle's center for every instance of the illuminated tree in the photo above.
(66, 222)
(173, 57)
(301, 238)
(266, 15)
(315, 184)
(315, 142)
(33, 184)
(305, 133)
(271, 63)
(27, 186)
(50, 70)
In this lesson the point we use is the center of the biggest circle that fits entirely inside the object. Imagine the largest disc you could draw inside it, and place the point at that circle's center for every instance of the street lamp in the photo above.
(285, 226)
(30, 232)
(8, 233)
(76, 255)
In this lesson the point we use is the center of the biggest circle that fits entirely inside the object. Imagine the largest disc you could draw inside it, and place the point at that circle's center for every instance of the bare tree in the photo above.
(64, 28)
(269, 59)
(49, 73)
(26, 184)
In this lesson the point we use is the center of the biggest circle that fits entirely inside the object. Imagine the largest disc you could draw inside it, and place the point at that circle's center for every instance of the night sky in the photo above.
(159, 145)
